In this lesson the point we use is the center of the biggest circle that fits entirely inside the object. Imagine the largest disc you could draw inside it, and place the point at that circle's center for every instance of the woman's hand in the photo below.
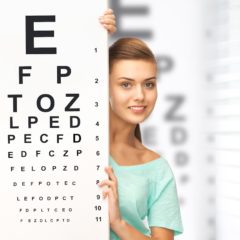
(111, 191)
(108, 21)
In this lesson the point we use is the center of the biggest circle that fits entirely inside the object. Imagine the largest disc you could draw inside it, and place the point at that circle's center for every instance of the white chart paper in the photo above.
(53, 120)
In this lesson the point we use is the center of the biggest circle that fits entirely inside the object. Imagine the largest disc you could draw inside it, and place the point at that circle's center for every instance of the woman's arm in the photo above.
(108, 21)
(124, 230)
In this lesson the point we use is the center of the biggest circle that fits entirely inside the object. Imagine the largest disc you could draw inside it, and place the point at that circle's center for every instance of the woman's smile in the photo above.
(133, 88)
(137, 109)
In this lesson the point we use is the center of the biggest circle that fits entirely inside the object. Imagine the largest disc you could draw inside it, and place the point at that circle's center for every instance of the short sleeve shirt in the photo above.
(147, 196)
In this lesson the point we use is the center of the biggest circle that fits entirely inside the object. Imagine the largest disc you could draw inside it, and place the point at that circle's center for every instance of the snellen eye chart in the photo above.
(53, 120)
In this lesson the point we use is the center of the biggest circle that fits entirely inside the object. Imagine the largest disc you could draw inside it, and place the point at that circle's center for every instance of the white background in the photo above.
(201, 38)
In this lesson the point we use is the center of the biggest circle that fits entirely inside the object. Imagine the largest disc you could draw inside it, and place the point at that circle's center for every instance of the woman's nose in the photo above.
(139, 93)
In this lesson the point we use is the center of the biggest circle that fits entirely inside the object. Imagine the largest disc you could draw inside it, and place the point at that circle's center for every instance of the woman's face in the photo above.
(133, 89)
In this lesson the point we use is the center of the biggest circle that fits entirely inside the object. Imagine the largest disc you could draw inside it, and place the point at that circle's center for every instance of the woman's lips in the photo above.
(137, 109)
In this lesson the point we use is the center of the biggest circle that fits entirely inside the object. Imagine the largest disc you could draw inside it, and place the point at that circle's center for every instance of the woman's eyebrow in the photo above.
(125, 78)
(130, 79)
(151, 78)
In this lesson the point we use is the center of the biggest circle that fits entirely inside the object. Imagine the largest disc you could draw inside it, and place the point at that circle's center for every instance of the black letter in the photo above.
(129, 11)
(181, 158)
(52, 103)
(32, 120)
(11, 138)
(11, 123)
(178, 135)
(74, 96)
(21, 74)
(76, 138)
(165, 64)
(41, 138)
(178, 101)
(77, 124)
(15, 97)
(31, 34)
(60, 74)
(54, 119)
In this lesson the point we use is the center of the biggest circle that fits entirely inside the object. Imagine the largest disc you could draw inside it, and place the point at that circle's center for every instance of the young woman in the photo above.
(141, 189)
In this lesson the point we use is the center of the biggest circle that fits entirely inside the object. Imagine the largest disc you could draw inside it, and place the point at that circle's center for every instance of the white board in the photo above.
(53, 120)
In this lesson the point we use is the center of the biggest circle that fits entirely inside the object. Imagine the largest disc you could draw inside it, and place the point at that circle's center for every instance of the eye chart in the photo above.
(53, 120)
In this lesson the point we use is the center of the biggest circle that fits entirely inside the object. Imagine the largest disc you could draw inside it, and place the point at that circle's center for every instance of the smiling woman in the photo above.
(141, 189)
(133, 91)
(134, 65)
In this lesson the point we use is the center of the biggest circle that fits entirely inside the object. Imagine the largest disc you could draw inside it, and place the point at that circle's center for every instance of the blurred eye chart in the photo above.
(53, 120)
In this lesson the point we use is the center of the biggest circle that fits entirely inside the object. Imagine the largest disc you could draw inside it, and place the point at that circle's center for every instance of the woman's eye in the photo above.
(150, 85)
(125, 85)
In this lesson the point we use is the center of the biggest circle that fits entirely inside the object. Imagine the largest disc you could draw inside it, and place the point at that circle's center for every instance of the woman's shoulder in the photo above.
(149, 155)
(162, 164)
(157, 161)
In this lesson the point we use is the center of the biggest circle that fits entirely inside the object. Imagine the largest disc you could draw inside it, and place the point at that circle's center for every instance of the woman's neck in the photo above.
(121, 132)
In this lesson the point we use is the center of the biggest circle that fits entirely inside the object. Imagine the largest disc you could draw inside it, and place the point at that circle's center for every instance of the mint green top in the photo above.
(147, 196)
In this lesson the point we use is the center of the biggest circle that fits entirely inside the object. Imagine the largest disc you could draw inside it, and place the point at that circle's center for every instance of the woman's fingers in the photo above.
(109, 11)
(111, 182)
(106, 182)
(108, 21)
(105, 192)
(109, 189)
(111, 29)
(110, 173)
(108, 15)
(109, 24)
